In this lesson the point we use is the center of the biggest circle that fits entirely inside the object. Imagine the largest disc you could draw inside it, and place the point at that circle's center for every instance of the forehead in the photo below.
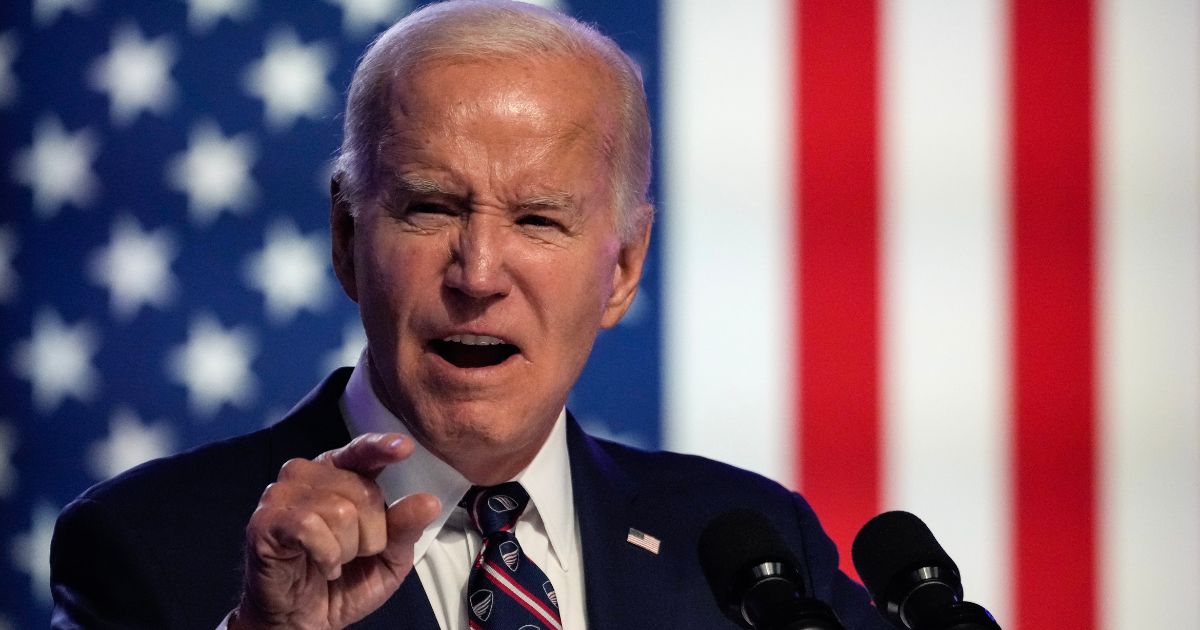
(503, 102)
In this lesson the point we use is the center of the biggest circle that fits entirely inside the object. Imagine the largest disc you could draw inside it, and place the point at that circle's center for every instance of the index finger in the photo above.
(369, 453)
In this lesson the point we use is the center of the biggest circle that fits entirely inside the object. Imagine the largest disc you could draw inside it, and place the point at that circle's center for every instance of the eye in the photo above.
(429, 207)
(538, 221)
(428, 216)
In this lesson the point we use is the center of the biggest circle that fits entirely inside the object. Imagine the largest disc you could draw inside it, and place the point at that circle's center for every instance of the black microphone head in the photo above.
(893, 545)
(756, 579)
(734, 542)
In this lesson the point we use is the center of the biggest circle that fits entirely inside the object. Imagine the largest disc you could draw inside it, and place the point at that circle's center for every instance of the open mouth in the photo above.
(473, 351)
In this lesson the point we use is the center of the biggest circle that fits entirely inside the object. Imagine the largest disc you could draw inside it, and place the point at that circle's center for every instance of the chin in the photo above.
(462, 421)
(478, 428)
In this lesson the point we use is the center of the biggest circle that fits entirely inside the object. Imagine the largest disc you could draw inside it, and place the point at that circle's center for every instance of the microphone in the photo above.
(913, 581)
(758, 583)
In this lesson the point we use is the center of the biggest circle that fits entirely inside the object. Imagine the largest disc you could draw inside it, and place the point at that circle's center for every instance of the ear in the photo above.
(626, 277)
(341, 229)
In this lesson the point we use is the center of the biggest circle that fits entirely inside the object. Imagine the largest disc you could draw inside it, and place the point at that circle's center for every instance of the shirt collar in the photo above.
(547, 478)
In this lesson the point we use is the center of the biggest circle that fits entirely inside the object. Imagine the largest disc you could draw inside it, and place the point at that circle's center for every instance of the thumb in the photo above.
(406, 521)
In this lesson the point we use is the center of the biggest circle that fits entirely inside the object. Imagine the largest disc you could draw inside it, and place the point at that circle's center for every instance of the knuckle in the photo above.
(258, 522)
(294, 468)
(306, 520)
(342, 512)
(271, 528)
(369, 494)
(273, 494)
(330, 556)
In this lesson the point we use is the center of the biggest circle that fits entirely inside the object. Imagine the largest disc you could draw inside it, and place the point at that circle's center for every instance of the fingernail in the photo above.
(395, 442)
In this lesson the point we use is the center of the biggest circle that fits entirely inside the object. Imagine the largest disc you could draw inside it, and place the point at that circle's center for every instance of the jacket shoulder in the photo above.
(119, 551)
(681, 494)
(213, 471)
(161, 544)
(678, 473)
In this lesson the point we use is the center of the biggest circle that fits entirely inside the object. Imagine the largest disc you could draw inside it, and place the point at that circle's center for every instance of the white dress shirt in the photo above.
(548, 531)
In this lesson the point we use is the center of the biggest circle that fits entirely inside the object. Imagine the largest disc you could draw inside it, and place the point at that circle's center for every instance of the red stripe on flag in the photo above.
(1053, 301)
(835, 187)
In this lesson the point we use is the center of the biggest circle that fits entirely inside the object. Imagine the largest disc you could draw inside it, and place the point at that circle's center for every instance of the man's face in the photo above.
(490, 258)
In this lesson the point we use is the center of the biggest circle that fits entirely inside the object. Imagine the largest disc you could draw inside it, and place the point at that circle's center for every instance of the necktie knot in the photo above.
(495, 509)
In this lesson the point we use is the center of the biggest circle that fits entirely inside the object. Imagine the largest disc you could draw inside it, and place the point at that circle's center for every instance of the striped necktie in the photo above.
(506, 590)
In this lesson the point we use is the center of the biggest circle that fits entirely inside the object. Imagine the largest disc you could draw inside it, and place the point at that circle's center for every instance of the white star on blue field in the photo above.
(165, 275)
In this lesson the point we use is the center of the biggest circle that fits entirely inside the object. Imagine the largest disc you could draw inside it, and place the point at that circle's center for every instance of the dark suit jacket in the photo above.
(161, 546)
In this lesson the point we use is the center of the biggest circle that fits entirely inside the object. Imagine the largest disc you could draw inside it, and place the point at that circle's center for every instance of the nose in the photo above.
(477, 266)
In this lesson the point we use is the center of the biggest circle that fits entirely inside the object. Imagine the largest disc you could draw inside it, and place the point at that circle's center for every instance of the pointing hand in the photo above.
(322, 548)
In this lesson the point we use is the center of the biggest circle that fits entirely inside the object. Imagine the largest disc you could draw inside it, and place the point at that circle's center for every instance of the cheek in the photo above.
(589, 286)
(398, 260)
(388, 282)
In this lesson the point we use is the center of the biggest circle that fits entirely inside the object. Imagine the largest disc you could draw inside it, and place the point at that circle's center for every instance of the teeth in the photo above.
(474, 340)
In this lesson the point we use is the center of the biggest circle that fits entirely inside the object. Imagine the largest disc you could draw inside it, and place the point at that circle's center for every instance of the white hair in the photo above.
(487, 30)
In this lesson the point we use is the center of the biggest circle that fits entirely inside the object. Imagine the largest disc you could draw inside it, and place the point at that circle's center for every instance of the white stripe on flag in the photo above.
(643, 540)
(729, 298)
(1149, 245)
(728, 306)
(944, 280)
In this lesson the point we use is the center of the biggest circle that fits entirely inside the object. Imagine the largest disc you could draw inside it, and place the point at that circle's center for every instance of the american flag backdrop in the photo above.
(935, 255)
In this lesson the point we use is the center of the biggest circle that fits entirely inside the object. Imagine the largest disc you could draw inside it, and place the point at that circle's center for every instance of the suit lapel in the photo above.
(313, 426)
(625, 584)
(407, 608)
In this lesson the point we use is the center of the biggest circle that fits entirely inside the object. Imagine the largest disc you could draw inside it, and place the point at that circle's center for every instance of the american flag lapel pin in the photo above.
(641, 539)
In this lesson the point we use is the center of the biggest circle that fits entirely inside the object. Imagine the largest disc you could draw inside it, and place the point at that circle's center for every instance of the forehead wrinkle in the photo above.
(423, 131)
(594, 133)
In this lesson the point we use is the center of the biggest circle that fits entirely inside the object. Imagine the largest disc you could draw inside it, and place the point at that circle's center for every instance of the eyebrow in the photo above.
(557, 200)
(419, 185)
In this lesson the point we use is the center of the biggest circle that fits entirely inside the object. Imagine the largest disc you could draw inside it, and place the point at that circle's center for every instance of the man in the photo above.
(489, 217)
